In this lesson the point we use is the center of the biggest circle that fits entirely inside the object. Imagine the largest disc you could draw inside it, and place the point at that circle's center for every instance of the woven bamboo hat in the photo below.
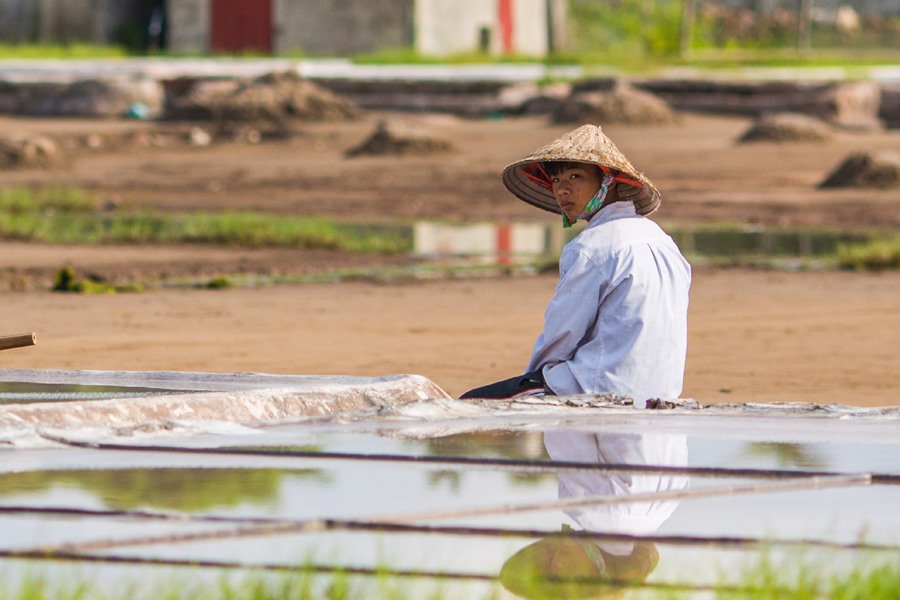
(527, 180)
(570, 568)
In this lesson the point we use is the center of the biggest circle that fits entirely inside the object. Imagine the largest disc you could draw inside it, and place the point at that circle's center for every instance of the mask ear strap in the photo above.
(595, 203)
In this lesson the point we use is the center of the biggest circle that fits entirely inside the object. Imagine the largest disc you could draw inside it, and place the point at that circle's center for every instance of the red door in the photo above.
(241, 26)
(507, 26)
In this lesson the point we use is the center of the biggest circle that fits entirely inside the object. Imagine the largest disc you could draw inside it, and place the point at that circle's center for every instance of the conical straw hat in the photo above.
(563, 567)
(587, 144)
(557, 568)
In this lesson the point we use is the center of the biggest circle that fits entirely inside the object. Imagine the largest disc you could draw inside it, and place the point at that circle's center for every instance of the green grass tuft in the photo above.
(65, 280)
(876, 255)
(20, 201)
(218, 283)
(881, 582)
(72, 216)
(60, 51)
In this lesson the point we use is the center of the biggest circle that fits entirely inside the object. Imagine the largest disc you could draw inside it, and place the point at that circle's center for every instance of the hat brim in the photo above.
(589, 145)
(527, 189)
(563, 567)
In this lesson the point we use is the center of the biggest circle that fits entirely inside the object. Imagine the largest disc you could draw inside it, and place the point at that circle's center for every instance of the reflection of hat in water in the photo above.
(528, 181)
(565, 567)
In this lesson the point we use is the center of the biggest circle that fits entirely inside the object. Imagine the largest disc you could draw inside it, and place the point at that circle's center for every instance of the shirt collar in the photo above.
(612, 212)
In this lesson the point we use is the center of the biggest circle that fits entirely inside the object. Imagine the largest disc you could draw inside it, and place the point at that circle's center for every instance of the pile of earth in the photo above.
(30, 150)
(395, 139)
(198, 113)
(613, 101)
(272, 100)
(27, 150)
(787, 127)
(866, 170)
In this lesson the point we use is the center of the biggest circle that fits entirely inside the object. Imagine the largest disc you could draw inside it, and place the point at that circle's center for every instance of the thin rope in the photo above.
(532, 466)
(810, 483)
(674, 540)
(306, 526)
(326, 525)
(60, 555)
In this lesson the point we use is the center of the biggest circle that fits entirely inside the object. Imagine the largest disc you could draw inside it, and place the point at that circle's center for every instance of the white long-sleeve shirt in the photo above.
(618, 319)
(636, 518)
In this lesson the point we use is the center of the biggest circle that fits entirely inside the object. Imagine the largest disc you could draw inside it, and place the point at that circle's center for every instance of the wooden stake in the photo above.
(17, 341)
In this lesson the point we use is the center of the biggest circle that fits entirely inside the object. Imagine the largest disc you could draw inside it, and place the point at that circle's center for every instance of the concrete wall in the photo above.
(62, 21)
(18, 21)
(188, 26)
(454, 27)
(337, 27)
(341, 27)
(316, 27)
(531, 27)
(59, 22)
(457, 26)
(27, 21)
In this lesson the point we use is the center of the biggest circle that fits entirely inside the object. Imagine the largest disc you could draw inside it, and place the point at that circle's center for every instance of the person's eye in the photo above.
(555, 179)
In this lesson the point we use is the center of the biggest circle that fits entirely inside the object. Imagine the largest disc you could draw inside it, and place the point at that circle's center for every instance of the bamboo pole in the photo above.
(17, 341)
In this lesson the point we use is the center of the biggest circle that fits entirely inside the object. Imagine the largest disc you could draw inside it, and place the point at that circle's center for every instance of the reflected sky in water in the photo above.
(345, 484)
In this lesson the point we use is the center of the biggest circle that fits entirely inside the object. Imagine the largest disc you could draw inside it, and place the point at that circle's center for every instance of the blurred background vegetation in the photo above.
(631, 32)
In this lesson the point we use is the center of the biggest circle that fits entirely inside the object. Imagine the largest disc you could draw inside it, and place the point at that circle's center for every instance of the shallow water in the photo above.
(448, 489)
(508, 244)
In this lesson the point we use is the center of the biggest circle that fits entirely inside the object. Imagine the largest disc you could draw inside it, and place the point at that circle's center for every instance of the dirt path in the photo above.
(754, 336)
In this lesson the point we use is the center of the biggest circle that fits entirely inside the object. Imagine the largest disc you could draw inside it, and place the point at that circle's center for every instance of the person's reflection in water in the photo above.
(566, 567)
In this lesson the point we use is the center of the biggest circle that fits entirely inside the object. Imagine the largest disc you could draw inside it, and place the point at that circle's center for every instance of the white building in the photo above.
(498, 27)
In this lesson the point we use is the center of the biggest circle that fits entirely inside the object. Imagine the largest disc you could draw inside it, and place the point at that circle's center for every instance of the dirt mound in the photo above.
(139, 96)
(864, 170)
(620, 104)
(394, 139)
(276, 98)
(26, 150)
(787, 127)
(889, 110)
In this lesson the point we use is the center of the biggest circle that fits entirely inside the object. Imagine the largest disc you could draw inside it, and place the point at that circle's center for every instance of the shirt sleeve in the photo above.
(572, 311)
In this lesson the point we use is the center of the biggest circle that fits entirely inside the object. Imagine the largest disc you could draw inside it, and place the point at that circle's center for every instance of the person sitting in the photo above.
(617, 321)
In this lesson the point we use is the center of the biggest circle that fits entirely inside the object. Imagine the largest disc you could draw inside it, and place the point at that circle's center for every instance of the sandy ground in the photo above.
(827, 337)
(754, 336)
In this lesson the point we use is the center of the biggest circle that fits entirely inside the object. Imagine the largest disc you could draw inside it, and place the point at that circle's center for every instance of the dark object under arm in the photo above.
(532, 382)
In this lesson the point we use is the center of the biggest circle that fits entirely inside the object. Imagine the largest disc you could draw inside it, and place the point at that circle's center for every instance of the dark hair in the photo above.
(555, 167)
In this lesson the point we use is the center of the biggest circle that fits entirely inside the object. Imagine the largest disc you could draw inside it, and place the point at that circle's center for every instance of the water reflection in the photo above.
(507, 243)
(571, 567)
(787, 455)
(514, 445)
(190, 490)
(500, 243)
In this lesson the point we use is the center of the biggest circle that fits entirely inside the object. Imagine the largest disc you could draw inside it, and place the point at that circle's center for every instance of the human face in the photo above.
(574, 186)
